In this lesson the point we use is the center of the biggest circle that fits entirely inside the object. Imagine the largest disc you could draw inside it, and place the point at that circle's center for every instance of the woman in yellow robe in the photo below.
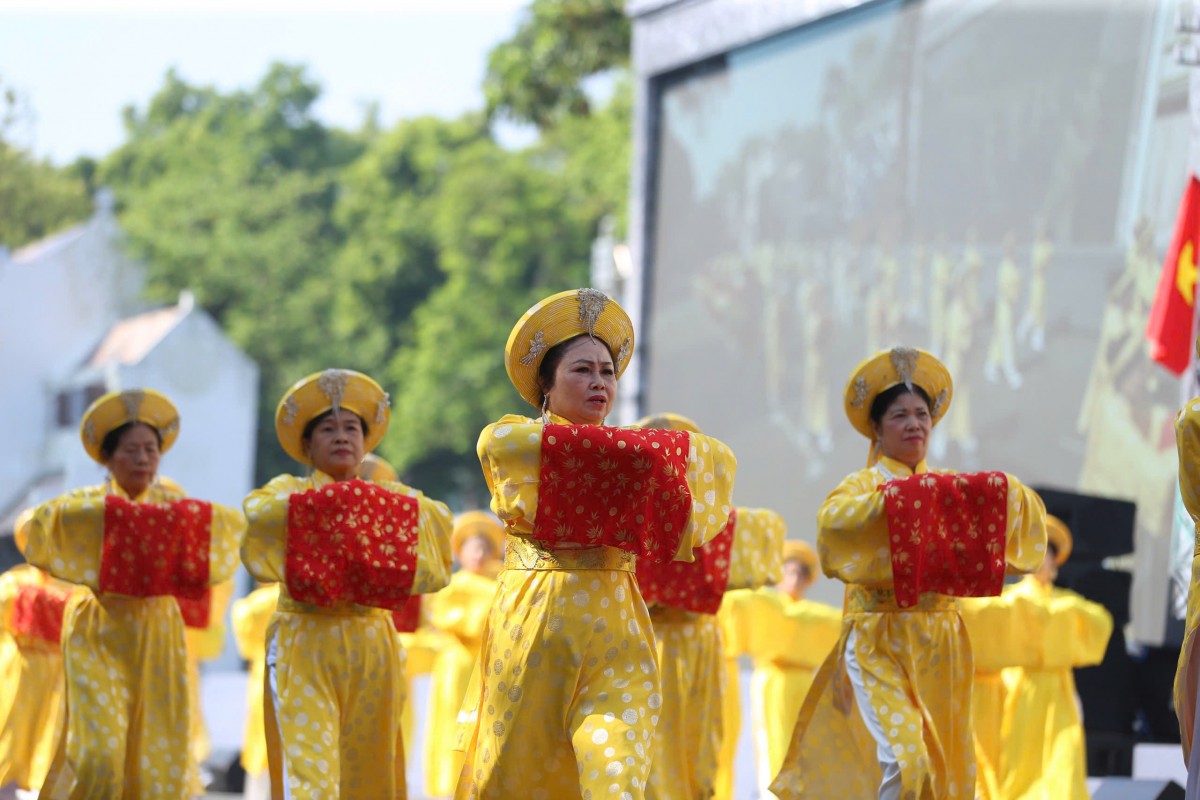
(1187, 674)
(1042, 751)
(569, 690)
(344, 552)
(131, 544)
(460, 611)
(32, 603)
(683, 599)
(788, 637)
(251, 616)
(888, 713)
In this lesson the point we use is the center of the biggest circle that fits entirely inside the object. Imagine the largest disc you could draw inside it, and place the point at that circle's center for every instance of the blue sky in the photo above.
(78, 63)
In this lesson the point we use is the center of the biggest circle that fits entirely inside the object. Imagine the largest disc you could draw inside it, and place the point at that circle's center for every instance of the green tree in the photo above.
(231, 195)
(538, 75)
(36, 197)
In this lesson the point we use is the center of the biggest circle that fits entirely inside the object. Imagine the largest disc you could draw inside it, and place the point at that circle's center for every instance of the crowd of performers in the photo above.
(587, 646)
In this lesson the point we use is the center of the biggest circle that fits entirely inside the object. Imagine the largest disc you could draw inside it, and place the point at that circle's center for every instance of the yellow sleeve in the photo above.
(511, 458)
(711, 468)
(1026, 538)
(434, 554)
(1004, 631)
(1078, 631)
(745, 614)
(250, 617)
(462, 608)
(205, 644)
(852, 531)
(228, 527)
(1187, 442)
(264, 548)
(806, 633)
(756, 557)
(66, 535)
(732, 618)
(10, 586)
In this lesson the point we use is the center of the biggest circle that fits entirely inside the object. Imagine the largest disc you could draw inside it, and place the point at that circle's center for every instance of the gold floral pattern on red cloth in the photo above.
(38, 612)
(352, 541)
(615, 487)
(153, 549)
(695, 586)
(947, 534)
(408, 619)
(196, 610)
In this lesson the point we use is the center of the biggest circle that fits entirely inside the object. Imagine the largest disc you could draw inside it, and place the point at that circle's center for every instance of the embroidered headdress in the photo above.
(133, 405)
(333, 389)
(555, 320)
(907, 365)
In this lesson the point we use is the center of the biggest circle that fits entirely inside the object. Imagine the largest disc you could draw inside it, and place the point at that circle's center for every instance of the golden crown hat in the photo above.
(796, 550)
(115, 409)
(470, 524)
(667, 421)
(377, 470)
(333, 389)
(908, 365)
(21, 529)
(1059, 535)
(556, 319)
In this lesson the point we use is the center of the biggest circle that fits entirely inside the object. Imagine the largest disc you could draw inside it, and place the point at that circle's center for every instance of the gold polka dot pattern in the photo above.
(757, 555)
(692, 668)
(570, 690)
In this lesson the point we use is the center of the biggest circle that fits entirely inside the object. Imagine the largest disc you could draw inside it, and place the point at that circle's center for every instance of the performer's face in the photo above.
(475, 553)
(796, 579)
(585, 383)
(903, 432)
(134, 462)
(336, 445)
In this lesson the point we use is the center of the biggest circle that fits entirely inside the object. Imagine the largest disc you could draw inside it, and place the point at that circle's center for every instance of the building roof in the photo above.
(128, 341)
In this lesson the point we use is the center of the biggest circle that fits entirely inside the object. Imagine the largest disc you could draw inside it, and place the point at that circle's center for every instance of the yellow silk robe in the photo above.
(922, 702)
(336, 674)
(127, 726)
(460, 611)
(204, 644)
(732, 637)
(788, 640)
(1187, 674)
(999, 640)
(251, 616)
(31, 688)
(1042, 752)
(570, 691)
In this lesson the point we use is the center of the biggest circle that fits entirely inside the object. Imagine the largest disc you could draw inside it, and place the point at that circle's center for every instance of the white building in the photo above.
(72, 327)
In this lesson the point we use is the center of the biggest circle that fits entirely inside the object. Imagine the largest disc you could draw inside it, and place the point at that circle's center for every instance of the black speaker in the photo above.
(1100, 526)
(1131, 789)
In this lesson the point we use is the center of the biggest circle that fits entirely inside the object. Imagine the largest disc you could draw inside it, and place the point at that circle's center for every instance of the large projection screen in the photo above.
(993, 181)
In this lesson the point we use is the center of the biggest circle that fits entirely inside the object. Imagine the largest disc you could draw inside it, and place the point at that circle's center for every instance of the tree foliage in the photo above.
(406, 252)
(36, 197)
(538, 76)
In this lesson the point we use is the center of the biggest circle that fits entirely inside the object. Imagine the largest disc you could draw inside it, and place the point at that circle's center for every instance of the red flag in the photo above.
(1170, 327)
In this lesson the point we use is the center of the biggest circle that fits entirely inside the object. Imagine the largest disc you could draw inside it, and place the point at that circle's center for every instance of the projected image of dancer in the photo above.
(886, 715)
(1002, 354)
(1032, 329)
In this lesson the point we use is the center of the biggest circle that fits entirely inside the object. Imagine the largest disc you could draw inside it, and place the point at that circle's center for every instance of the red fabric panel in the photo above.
(615, 487)
(196, 611)
(38, 612)
(947, 534)
(408, 618)
(153, 549)
(352, 541)
(696, 586)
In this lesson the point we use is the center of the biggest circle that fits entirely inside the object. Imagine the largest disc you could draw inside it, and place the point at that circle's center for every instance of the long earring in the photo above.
(545, 409)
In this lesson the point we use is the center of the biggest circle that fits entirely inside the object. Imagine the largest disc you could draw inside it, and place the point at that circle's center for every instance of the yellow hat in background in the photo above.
(115, 409)
(796, 550)
(556, 319)
(21, 529)
(312, 396)
(377, 470)
(882, 371)
(470, 524)
(1059, 535)
(667, 421)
